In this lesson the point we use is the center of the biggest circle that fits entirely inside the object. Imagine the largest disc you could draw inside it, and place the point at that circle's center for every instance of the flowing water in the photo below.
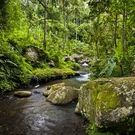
(35, 116)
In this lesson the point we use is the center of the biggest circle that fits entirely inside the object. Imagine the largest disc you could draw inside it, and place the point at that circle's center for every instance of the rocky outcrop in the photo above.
(35, 54)
(61, 94)
(109, 103)
(22, 93)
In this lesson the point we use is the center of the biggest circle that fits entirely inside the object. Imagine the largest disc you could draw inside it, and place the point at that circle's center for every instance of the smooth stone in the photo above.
(61, 94)
(22, 93)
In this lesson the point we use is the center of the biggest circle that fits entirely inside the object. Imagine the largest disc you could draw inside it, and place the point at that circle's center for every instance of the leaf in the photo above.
(107, 71)
(12, 63)
(1, 61)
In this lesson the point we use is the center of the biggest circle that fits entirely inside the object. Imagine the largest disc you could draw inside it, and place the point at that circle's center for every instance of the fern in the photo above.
(11, 62)
(107, 71)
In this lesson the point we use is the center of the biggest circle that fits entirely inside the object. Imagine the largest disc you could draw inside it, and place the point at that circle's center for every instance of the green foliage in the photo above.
(108, 70)
(14, 71)
(92, 130)
(119, 52)
(73, 66)
(96, 67)
(70, 29)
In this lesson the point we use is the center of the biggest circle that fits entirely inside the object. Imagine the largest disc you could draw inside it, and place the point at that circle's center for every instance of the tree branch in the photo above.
(41, 3)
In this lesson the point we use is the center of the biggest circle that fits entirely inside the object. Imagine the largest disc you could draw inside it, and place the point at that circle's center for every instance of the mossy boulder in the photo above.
(22, 93)
(109, 103)
(48, 74)
(35, 56)
(61, 94)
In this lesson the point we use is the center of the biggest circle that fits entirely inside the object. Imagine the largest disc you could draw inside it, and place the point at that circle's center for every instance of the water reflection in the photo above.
(36, 116)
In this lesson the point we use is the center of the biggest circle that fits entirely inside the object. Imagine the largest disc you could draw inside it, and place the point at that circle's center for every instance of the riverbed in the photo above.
(35, 116)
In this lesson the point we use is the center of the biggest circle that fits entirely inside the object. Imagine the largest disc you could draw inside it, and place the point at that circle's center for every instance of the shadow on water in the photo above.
(35, 116)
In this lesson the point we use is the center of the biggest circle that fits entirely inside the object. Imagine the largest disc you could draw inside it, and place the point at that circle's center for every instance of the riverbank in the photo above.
(37, 76)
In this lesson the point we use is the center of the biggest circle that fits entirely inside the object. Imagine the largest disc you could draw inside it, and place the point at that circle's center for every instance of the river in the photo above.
(35, 116)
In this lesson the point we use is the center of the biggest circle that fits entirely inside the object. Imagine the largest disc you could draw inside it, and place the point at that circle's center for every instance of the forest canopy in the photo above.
(103, 30)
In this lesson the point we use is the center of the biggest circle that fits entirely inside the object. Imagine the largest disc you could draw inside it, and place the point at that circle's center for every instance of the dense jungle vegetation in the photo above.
(103, 30)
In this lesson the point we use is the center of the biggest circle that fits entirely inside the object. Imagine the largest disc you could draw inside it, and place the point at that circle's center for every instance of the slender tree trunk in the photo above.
(123, 31)
(121, 70)
(52, 8)
(67, 27)
(64, 11)
(97, 49)
(115, 32)
(76, 29)
(79, 21)
(64, 24)
(45, 24)
(28, 33)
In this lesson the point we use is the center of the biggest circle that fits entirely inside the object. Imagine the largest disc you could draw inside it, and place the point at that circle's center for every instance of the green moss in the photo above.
(53, 73)
(57, 86)
(73, 65)
(103, 100)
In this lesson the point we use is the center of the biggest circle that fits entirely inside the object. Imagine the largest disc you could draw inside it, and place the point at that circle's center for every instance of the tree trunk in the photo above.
(76, 28)
(115, 32)
(67, 27)
(64, 24)
(97, 50)
(123, 31)
(121, 70)
(45, 24)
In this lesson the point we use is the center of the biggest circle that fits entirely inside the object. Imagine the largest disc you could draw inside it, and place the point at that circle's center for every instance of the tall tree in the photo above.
(44, 5)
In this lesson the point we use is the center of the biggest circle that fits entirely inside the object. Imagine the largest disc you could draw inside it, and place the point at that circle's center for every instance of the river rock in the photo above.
(22, 93)
(109, 103)
(85, 65)
(85, 60)
(77, 57)
(77, 110)
(68, 58)
(47, 93)
(52, 88)
(61, 94)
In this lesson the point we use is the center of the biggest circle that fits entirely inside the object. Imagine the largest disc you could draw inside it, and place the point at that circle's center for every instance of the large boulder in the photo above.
(22, 93)
(32, 53)
(61, 94)
(35, 54)
(109, 103)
